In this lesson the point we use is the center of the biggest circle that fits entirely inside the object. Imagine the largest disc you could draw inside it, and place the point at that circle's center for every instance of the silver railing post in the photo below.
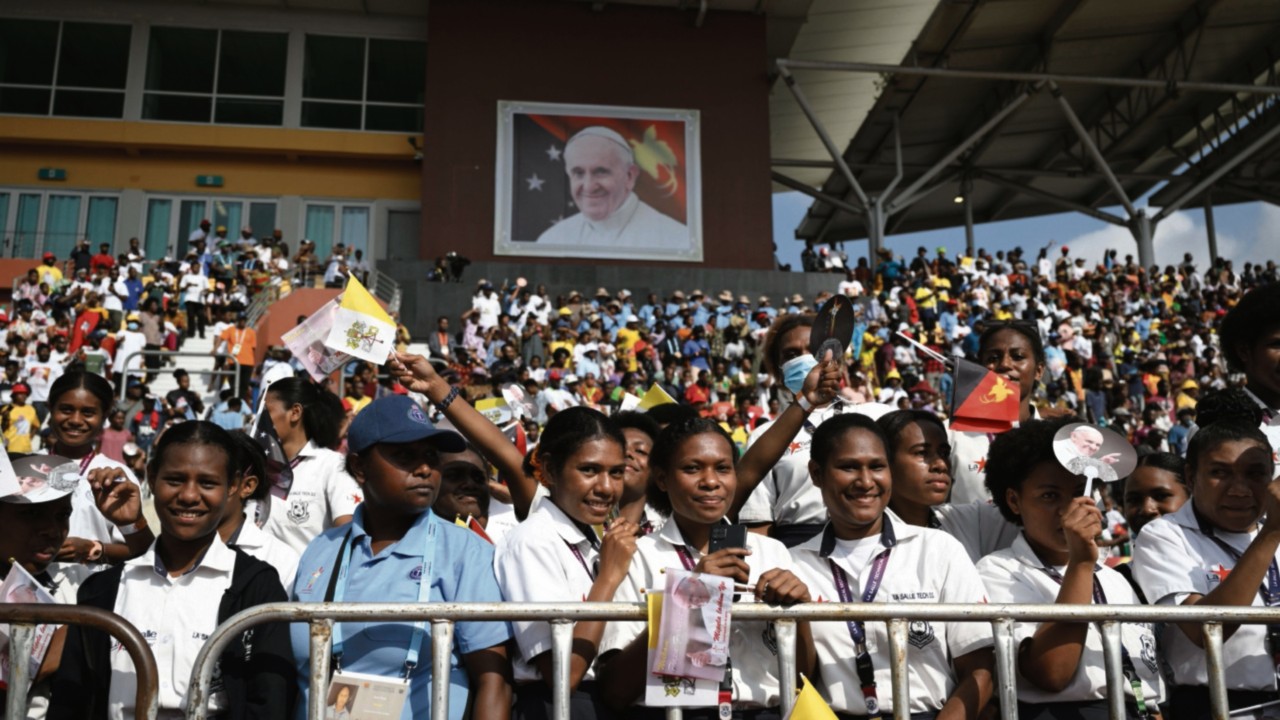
(785, 632)
(675, 713)
(1111, 656)
(441, 657)
(1006, 668)
(561, 659)
(898, 668)
(21, 637)
(321, 660)
(1216, 667)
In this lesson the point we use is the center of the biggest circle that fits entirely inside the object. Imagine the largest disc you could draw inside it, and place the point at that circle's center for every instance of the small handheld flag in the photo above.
(809, 704)
(981, 400)
(361, 327)
(654, 397)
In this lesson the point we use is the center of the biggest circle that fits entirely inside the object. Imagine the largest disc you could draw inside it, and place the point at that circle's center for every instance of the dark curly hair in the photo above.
(1256, 313)
(662, 458)
(1015, 453)
(895, 422)
(1229, 405)
(830, 432)
(1165, 461)
(670, 414)
(633, 420)
(567, 431)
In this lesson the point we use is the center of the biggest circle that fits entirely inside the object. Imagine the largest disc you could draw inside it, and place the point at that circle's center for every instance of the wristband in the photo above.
(804, 403)
(133, 529)
(95, 552)
(448, 399)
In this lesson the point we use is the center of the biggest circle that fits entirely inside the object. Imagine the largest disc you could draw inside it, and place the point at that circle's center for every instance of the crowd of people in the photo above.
(846, 471)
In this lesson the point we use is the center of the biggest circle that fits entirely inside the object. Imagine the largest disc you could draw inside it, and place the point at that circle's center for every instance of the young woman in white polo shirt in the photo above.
(239, 529)
(1222, 548)
(866, 554)
(321, 495)
(1061, 671)
(919, 458)
(692, 482)
(556, 555)
(177, 593)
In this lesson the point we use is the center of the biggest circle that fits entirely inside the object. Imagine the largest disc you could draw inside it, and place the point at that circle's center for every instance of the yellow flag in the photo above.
(361, 328)
(655, 397)
(809, 705)
(356, 297)
(653, 602)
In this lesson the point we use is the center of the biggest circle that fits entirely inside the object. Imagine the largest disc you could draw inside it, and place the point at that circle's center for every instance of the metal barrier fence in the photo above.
(442, 616)
(144, 371)
(23, 620)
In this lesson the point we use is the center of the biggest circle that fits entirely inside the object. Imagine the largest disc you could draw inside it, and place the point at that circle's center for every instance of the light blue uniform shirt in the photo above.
(461, 572)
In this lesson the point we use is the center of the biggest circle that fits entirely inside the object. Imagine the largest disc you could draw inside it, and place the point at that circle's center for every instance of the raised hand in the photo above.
(617, 547)
(729, 562)
(118, 499)
(822, 384)
(1082, 524)
(412, 371)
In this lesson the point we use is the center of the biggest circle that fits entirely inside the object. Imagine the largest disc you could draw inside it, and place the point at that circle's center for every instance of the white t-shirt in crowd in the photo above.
(321, 492)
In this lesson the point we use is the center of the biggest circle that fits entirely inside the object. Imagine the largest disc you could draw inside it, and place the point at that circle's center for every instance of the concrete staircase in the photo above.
(198, 366)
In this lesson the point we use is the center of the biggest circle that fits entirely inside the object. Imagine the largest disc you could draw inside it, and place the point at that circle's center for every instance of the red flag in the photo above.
(982, 400)
(474, 524)
(85, 324)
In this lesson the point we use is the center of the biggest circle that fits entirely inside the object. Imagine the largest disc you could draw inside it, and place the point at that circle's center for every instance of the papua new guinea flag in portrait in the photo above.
(982, 401)
(540, 184)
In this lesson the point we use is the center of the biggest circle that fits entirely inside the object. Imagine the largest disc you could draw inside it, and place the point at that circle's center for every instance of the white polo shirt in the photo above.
(753, 647)
(535, 564)
(1016, 575)
(786, 496)
(979, 527)
(322, 491)
(269, 549)
(1172, 559)
(176, 615)
(924, 566)
(969, 463)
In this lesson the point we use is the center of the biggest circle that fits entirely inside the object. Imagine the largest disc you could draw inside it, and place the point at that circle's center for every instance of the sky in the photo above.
(1246, 232)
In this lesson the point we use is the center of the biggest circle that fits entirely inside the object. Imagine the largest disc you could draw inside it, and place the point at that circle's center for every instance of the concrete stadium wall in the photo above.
(553, 51)
(424, 301)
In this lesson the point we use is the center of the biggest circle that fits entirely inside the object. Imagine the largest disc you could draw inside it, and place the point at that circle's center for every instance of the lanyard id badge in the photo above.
(398, 687)
(359, 696)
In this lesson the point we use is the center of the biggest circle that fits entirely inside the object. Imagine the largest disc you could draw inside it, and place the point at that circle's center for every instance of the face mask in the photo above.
(795, 370)
(133, 326)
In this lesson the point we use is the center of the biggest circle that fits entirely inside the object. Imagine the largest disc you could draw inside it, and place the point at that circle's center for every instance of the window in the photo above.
(73, 69)
(228, 76)
(353, 83)
(327, 225)
(54, 221)
(172, 220)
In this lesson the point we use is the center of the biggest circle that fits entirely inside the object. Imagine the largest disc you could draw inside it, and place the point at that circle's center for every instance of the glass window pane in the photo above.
(26, 51)
(190, 213)
(4, 224)
(330, 115)
(100, 225)
(227, 215)
(252, 63)
(387, 117)
(355, 228)
(87, 103)
(28, 223)
(250, 112)
(24, 101)
(179, 108)
(397, 71)
(94, 55)
(262, 218)
(333, 68)
(320, 229)
(158, 213)
(181, 59)
(61, 224)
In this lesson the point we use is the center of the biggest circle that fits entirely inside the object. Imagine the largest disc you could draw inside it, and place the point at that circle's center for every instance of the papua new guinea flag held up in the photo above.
(982, 401)
(540, 186)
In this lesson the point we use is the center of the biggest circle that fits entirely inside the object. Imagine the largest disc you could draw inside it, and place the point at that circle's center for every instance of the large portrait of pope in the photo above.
(598, 182)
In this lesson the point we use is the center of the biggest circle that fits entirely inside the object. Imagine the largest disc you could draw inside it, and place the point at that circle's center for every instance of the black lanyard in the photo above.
(1126, 662)
(857, 630)
(1270, 590)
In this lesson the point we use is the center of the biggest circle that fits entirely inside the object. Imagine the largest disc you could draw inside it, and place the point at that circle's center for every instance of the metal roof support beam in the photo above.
(1221, 170)
(1092, 148)
(1211, 229)
(835, 153)
(1028, 77)
(911, 193)
(1027, 189)
(1143, 228)
(817, 194)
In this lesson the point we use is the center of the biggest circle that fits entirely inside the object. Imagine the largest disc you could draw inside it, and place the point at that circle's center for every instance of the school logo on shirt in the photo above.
(1149, 652)
(919, 633)
(311, 581)
(299, 511)
(416, 573)
(770, 637)
(1215, 576)
(979, 465)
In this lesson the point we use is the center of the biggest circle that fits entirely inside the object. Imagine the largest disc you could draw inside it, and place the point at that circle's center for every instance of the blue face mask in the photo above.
(795, 370)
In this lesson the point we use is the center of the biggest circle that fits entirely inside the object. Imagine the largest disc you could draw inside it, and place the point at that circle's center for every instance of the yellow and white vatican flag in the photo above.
(361, 327)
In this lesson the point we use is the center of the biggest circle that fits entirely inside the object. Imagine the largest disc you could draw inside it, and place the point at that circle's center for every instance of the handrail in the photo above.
(24, 618)
(321, 616)
(124, 386)
(386, 289)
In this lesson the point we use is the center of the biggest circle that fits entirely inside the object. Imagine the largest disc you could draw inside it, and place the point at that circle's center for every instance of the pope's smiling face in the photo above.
(601, 175)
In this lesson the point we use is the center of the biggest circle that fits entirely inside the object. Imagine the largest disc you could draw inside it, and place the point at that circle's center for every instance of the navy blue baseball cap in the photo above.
(398, 419)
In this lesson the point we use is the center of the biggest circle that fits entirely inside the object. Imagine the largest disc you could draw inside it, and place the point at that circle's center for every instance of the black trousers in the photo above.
(196, 320)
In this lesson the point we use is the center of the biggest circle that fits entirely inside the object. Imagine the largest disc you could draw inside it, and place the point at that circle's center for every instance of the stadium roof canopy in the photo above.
(1087, 104)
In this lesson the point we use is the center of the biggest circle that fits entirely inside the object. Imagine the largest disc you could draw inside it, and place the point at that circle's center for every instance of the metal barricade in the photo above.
(234, 374)
(442, 616)
(23, 620)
